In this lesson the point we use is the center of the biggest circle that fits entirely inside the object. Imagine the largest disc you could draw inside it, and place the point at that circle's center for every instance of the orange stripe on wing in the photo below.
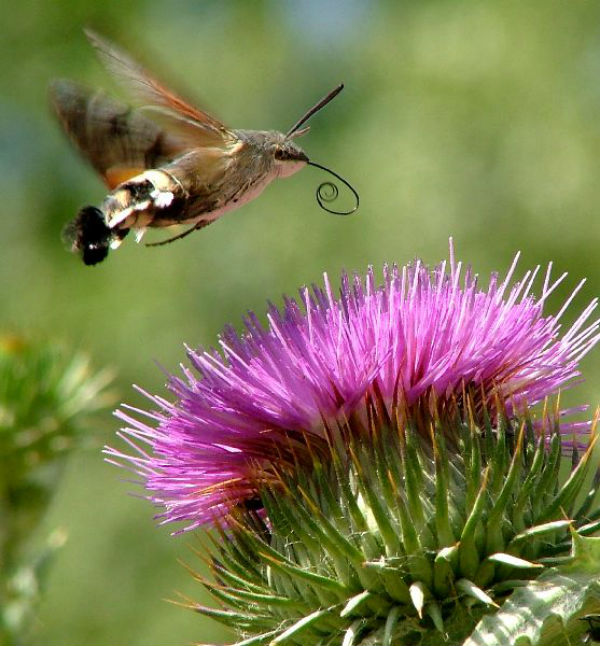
(118, 174)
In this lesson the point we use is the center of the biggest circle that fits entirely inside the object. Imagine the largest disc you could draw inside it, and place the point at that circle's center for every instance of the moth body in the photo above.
(167, 163)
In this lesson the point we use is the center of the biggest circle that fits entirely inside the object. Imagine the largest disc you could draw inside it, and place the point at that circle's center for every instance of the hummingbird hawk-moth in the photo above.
(168, 162)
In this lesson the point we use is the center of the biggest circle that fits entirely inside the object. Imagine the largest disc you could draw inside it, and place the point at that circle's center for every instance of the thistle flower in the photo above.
(418, 338)
(375, 465)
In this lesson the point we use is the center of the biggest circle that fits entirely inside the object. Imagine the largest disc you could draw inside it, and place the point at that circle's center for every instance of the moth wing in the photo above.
(118, 141)
(157, 97)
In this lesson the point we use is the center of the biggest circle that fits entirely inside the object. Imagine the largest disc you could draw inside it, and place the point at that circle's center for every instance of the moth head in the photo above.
(289, 157)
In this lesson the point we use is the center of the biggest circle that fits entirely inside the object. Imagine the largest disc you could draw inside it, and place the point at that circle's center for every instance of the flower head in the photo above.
(416, 341)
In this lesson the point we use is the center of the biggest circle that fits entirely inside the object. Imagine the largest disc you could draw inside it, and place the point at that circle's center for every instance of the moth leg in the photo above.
(198, 225)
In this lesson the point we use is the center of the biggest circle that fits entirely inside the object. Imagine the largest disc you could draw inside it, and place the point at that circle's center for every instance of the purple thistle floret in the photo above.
(421, 334)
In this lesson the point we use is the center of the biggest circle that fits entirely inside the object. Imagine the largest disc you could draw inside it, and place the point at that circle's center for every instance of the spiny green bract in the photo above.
(408, 537)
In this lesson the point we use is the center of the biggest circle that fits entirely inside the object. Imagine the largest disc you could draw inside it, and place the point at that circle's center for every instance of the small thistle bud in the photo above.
(47, 397)
(384, 467)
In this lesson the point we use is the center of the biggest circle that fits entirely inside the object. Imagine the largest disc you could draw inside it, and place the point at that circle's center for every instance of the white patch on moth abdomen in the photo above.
(162, 199)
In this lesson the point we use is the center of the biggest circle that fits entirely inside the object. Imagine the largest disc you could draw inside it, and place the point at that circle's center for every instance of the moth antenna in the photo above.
(299, 133)
(328, 191)
(321, 104)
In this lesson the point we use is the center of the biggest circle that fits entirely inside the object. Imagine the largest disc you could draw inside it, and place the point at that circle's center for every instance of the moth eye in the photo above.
(281, 154)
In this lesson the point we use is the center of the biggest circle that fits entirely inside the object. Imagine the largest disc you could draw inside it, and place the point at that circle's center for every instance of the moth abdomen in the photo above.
(89, 235)
(145, 200)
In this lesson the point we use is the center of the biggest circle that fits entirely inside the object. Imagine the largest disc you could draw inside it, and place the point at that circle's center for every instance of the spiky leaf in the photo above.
(546, 611)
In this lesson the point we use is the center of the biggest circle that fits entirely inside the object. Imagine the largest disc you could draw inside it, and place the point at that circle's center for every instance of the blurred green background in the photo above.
(469, 119)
